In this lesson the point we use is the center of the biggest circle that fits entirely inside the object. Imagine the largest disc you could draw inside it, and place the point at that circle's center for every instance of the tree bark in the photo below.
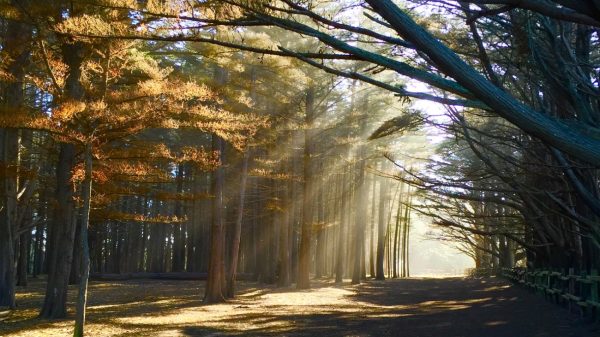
(342, 233)
(320, 229)
(284, 241)
(75, 274)
(85, 248)
(405, 237)
(62, 233)
(16, 45)
(372, 230)
(381, 229)
(178, 263)
(303, 281)
(214, 291)
(23, 264)
(359, 226)
(237, 230)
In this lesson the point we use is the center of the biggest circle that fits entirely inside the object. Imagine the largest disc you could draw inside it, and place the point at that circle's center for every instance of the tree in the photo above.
(16, 43)
(216, 265)
(473, 88)
(381, 229)
(303, 281)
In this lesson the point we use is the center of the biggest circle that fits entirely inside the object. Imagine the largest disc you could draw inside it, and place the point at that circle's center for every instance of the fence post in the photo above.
(571, 287)
(595, 300)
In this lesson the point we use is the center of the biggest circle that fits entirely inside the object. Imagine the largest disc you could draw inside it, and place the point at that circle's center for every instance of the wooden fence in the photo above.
(575, 291)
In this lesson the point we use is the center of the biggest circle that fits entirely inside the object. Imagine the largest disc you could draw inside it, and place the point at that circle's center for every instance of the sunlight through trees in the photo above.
(280, 142)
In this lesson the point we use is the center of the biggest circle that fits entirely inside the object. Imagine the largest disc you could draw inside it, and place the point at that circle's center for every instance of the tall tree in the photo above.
(214, 284)
(381, 229)
(16, 43)
(303, 281)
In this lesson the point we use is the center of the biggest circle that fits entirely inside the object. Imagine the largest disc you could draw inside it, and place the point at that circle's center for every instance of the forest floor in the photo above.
(410, 307)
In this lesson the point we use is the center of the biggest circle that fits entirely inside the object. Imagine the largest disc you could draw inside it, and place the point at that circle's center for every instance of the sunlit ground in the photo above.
(412, 307)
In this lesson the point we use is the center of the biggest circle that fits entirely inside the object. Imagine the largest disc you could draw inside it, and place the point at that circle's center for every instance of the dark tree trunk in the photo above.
(142, 265)
(25, 211)
(61, 238)
(74, 277)
(320, 248)
(295, 223)
(284, 238)
(191, 262)
(397, 234)
(38, 251)
(303, 281)
(178, 264)
(372, 231)
(361, 218)
(381, 229)
(237, 230)
(405, 238)
(256, 247)
(16, 46)
(85, 249)
(63, 227)
(23, 264)
(342, 235)
(214, 282)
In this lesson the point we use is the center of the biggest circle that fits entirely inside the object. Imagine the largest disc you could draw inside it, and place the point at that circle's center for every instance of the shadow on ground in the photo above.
(423, 307)
(411, 307)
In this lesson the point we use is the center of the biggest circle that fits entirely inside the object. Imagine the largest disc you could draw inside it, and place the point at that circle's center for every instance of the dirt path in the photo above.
(448, 307)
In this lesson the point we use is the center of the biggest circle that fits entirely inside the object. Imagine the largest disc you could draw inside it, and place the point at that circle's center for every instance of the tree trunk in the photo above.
(85, 248)
(23, 265)
(287, 229)
(255, 250)
(284, 244)
(397, 233)
(372, 231)
(237, 230)
(63, 228)
(405, 236)
(16, 45)
(342, 235)
(61, 238)
(178, 263)
(38, 252)
(320, 248)
(381, 229)
(307, 211)
(359, 226)
(214, 282)
(75, 275)
(294, 223)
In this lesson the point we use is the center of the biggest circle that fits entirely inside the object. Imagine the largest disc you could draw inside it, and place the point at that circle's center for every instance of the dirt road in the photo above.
(450, 307)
